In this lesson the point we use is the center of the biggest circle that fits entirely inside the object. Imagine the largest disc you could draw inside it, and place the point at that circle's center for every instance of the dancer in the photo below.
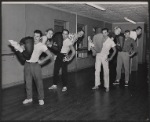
(102, 58)
(128, 50)
(32, 68)
(48, 35)
(62, 60)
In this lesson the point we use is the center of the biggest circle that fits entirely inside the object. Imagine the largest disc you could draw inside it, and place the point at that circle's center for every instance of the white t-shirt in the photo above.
(133, 35)
(66, 43)
(107, 45)
(39, 48)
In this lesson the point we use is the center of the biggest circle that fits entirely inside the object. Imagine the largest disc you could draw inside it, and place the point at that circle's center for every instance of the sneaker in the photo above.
(41, 102)
(107, 89)
(126, 83)
(95, 87)
(53, 87)
(64, 89)
(26, 101)
(116, 82)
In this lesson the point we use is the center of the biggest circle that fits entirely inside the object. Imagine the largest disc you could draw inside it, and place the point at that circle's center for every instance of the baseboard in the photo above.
(44, 77)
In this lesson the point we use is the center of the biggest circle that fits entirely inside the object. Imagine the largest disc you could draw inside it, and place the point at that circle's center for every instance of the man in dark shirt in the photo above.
(128, 50)
(55, 44)
(118, 39)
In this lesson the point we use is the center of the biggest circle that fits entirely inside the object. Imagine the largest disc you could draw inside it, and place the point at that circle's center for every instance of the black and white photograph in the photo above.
(75, 61)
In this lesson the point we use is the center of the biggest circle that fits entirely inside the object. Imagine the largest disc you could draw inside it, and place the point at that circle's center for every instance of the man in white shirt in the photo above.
(102, 58)
(62, 60)
(32, 69)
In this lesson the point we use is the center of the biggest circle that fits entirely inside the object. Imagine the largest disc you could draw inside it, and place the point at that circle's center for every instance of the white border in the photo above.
(59, 2)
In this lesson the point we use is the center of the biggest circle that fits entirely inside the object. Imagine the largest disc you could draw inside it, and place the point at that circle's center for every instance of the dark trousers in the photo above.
(59, 63)
(33, 71)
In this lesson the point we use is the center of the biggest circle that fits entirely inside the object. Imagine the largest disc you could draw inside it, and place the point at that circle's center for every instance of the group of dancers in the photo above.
(124, 48)
(29, 50)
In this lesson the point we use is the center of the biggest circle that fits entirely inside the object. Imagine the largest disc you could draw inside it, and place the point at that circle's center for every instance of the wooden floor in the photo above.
(80, 102)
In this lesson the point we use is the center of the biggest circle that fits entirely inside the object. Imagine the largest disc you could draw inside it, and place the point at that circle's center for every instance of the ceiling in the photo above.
(114, 13)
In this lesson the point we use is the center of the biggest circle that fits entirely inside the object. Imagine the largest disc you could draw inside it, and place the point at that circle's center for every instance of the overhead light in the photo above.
(129, 20)
(96, 6)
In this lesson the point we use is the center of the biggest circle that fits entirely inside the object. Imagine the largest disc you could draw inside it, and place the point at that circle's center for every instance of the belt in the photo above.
(64, 53)
(124, 51)
(32, 62)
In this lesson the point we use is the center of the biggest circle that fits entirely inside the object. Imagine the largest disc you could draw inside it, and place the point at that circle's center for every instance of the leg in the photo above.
(37, 75)
(119, 66)
(97, 70)
(64, 74)
(28, 79)
(57, 66)
(126, 65)
(106, 73)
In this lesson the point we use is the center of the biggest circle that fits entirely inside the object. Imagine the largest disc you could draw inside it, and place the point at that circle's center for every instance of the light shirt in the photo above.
(98, 42)
(66, 46)
(133, 35)
(107, 45)
(39, 48)
(72, 36)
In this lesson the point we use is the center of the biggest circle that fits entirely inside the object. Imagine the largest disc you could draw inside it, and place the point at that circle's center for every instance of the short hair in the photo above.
(50, 29)
(117, 28)
(139, 27)
(65, 30)
(38, 31)
(82, 31)
(105, 29)
(127, 31)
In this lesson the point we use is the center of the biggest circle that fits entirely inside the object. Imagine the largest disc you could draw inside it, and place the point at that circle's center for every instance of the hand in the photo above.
(66, 59)
(40, 62)
(131, 54)
(49, 44)
(90, 45)
(93, 51)
(108, 59)
(89, 39)
(55, 56)
(118, 44)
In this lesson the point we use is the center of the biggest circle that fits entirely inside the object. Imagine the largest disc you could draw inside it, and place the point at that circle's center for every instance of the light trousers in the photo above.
(101, 60)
